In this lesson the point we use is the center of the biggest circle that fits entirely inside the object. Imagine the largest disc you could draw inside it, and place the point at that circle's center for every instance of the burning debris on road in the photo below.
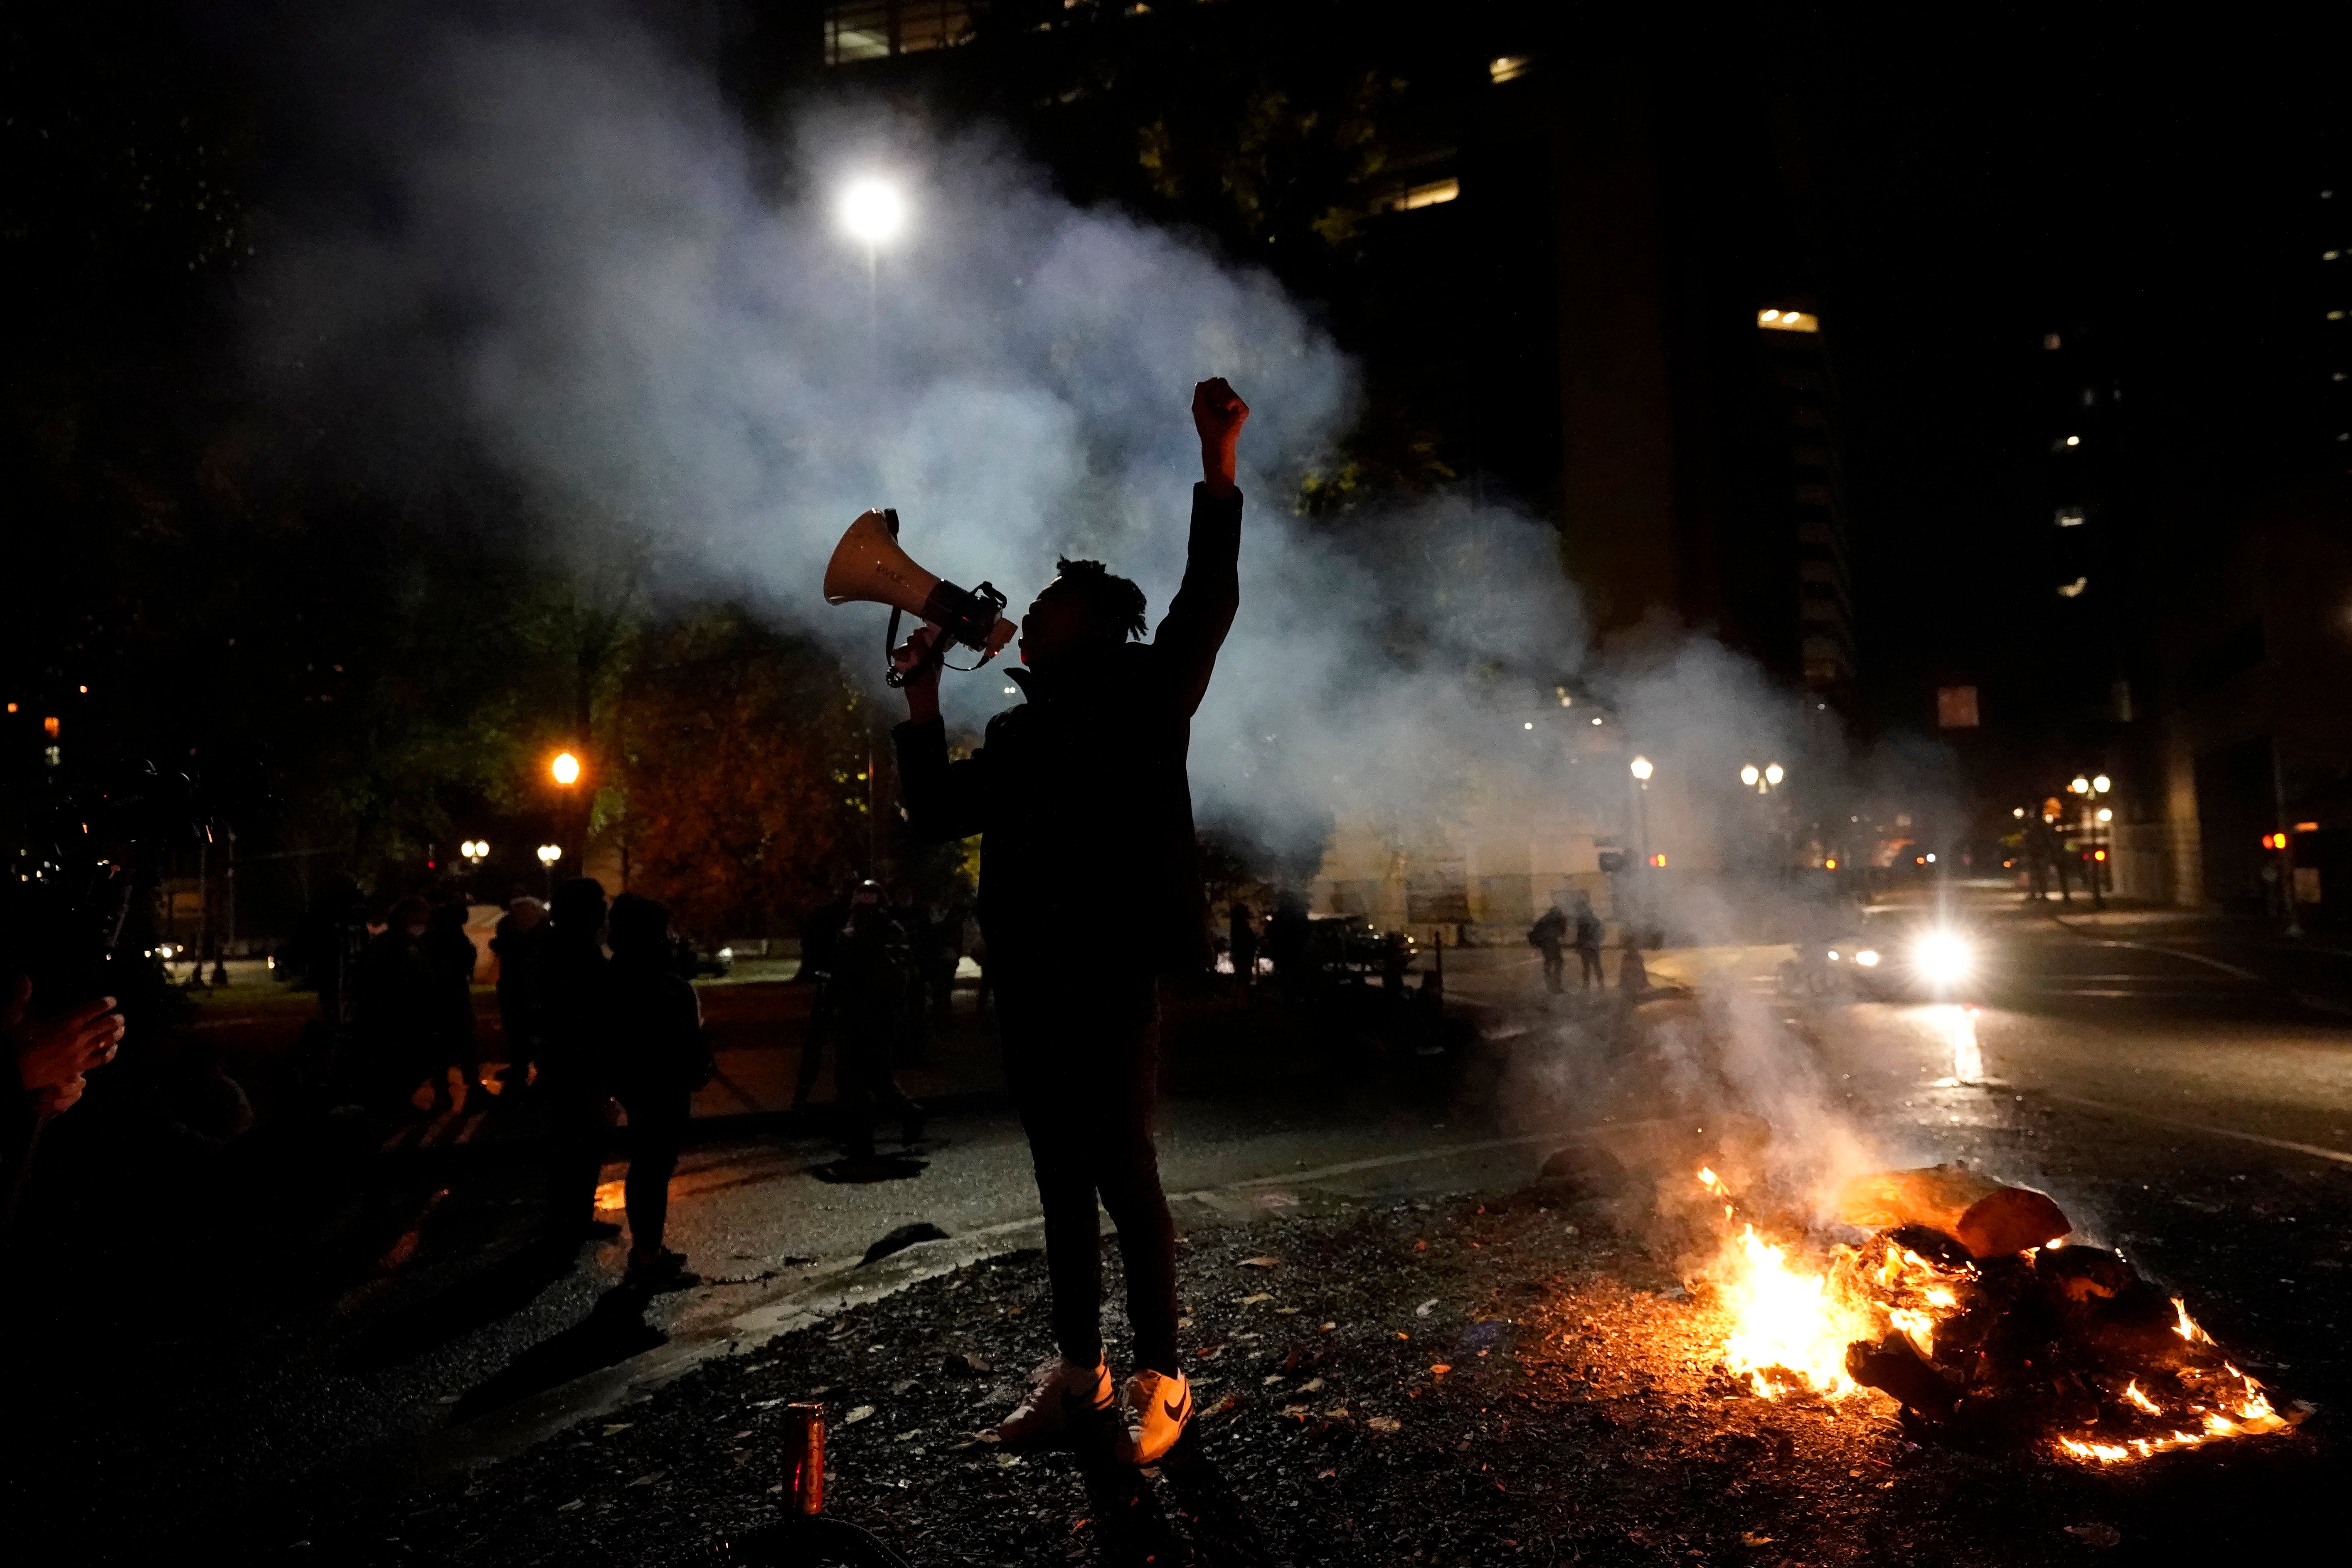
(1968, 1307)
(1521, 1379)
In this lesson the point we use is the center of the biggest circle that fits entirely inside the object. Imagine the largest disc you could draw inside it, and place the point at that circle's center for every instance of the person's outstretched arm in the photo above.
(944, 798)
(1202, 611)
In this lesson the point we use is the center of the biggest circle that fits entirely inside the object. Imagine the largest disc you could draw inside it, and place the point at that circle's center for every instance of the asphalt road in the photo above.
(318, 1314)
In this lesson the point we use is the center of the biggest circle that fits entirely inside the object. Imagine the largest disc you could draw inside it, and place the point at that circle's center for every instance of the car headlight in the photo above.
(1942, 958)
(726, 952)
(1867, 958)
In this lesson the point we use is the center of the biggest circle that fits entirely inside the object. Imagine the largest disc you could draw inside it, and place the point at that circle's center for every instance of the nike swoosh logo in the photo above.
(1176, 1411)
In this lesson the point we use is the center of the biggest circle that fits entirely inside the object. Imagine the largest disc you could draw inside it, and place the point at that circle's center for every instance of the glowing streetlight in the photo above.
(872, 211)
(1748, 775)
(2101, 784)
(1774, 773)
(2081, 785)
(2105, 814)
(564, 769)
(549, 855)
(1642, 768)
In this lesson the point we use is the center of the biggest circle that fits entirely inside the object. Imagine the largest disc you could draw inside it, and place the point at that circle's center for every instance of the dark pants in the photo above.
(813, 1044)
(1555, 965)
(1590, 957)
(1081, 1056)
(657, 1119)
(865, 1084)
(576, 1102)
(519, 1030)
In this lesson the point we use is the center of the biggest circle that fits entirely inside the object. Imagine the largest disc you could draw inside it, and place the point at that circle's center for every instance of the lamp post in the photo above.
(2097, 817)
(549, 855)
(1642, 768)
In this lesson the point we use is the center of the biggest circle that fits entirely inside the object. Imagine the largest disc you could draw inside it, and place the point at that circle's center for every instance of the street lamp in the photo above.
(1641, 768)
(1748, 775)
(873, 211)
(1774, 774)
(549, 855)
(565, 769)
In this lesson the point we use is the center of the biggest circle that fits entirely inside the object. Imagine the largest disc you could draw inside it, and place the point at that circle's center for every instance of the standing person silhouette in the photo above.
(1547, 935)
(576, 1027)
(1588, 941)
(660, 1057)
(1090, 773)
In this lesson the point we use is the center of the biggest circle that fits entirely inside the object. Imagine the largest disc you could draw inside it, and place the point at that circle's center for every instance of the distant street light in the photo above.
(1641, 769)
(2101, 784)
(873, 211)
(1748, 775)
(1773, 774)
(2081, 785)
(549, 855)
(564, 769)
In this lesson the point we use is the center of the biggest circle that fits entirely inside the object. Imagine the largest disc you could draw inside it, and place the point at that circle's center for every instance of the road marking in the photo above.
(2141, 995)
(2167, 952)
(2315, 1150)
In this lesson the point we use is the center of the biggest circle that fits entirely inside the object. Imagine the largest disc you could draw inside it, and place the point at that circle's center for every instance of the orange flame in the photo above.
(2246, 1411)
(1787, 1326)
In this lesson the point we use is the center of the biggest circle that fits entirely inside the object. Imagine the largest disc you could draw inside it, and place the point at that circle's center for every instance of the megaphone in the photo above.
(867, 566)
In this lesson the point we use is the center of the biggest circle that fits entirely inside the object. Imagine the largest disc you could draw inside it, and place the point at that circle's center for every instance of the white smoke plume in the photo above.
(553, 236)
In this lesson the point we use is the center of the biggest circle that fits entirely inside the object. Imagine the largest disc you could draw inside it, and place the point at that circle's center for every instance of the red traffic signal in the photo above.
(2274, 840)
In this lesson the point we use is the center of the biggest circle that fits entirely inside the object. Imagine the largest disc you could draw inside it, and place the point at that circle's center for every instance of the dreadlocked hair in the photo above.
(1116, 604)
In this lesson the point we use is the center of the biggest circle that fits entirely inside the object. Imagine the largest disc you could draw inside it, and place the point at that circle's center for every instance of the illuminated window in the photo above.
(1507, 67)
(2069, 517)
(1428, 195)
(876, 30)
(1789, 321)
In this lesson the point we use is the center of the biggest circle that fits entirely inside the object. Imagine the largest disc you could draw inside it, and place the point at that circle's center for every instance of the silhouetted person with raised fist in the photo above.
(1087, 774)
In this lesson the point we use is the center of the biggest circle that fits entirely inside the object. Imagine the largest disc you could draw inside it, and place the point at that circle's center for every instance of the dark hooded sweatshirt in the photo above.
(1080, 793)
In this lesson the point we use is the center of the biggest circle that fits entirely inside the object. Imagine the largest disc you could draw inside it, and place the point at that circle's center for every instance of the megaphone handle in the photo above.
(935, 655)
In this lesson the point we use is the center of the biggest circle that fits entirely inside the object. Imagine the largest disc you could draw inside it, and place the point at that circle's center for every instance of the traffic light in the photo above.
(2274, 840)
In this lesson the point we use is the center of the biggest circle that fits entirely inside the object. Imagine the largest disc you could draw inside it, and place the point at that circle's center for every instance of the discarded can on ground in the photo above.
(805, 1458)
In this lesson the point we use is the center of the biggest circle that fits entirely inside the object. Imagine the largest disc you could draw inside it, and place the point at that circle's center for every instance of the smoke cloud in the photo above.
(539, 236)
(544, 236)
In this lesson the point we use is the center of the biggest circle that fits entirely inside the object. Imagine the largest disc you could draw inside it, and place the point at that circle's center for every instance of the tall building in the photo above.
(2253, 639)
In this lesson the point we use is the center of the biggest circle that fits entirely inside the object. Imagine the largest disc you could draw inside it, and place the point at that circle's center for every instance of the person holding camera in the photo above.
(1090, 773)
